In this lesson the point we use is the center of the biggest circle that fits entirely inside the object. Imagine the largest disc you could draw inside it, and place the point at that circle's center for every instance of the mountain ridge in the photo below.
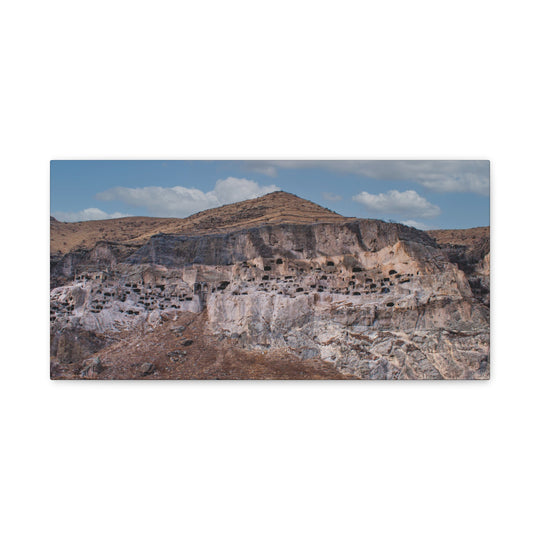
(275, 207)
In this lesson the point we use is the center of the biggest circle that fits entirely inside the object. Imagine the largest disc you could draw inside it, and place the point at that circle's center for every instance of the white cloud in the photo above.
(438, 175)
(89, 214)
(239, 189)
(456, 183)
(415, 224)
(179, 201)
(331, 196)
(403, 203)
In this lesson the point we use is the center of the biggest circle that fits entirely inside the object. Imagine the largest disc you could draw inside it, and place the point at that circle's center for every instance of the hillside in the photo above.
(463, 237)
(66, 237)
(277, 207)
(273, 288)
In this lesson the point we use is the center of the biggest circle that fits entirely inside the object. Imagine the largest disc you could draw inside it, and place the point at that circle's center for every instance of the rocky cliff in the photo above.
(361, 298)
(469, 249)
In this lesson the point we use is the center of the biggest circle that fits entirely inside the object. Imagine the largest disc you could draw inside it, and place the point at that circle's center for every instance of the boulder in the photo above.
(147, 368)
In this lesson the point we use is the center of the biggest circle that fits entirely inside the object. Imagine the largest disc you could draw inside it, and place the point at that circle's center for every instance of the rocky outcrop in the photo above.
(376, 300)
(290, 241)
(469, 249)
(103, 257)
(73, 343)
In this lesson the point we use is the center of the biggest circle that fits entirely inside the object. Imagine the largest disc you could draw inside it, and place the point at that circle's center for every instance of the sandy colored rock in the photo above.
(337, 296)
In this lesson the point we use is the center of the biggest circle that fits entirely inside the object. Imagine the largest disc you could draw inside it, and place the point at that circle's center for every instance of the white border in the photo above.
(269, 460)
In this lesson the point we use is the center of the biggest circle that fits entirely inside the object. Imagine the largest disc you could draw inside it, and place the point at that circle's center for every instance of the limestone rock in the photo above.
(377, 300)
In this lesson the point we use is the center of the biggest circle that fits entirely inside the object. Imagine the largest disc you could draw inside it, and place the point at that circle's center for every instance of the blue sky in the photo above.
(425, 194)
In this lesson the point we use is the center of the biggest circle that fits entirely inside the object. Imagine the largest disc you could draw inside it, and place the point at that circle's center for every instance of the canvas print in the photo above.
(269, 270)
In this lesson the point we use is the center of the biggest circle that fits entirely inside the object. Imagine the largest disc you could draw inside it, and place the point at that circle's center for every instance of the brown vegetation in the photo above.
(165, 353)
(277, 207)
(463, 237)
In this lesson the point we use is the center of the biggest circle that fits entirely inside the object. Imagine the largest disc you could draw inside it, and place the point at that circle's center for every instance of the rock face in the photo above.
(104, 256)
(374, 300)
(470, 250)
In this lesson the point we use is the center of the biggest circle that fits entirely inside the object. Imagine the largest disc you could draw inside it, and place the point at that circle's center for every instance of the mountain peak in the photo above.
(270, 209)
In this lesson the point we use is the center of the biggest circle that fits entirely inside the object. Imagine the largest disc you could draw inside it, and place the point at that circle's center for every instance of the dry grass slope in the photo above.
(207, 357)
(463, 237)
(277, 207)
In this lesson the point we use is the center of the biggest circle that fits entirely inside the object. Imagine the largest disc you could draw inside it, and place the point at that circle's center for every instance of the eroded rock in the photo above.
(378, 300)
